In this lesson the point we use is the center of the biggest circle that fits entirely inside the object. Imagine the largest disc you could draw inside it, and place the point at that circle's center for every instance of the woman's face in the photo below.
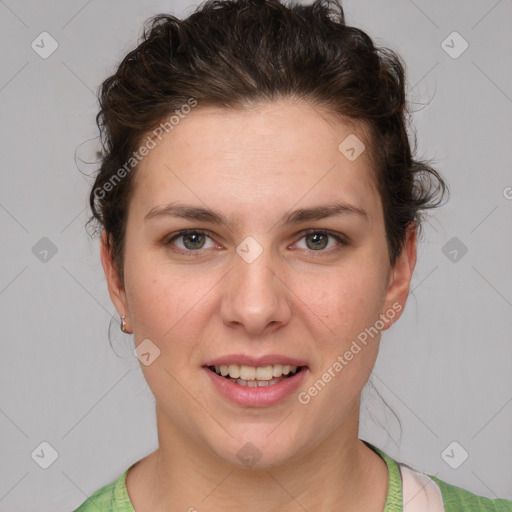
(256, 285)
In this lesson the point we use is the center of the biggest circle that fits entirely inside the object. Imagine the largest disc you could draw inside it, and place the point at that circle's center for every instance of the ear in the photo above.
(400, 276)
(115, 286)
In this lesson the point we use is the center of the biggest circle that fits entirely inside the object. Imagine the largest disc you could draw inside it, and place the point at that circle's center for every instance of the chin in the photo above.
(257, 450)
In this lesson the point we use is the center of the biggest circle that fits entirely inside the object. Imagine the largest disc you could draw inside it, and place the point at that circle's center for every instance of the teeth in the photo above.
(234, 371)
(256, 383)
(246, 372)
(264, 373)
(277, 370)
(250, 373)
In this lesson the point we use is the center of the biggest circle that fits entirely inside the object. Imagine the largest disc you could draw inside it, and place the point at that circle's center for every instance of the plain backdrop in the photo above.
(70, 401)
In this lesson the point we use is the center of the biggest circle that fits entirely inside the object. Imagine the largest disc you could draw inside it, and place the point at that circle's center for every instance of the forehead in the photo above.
(275, 156)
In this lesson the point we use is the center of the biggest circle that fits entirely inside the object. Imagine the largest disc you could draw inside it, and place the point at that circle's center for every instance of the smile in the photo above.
(256, 386)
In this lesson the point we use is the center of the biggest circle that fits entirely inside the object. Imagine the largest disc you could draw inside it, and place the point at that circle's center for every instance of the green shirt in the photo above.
(422, 492)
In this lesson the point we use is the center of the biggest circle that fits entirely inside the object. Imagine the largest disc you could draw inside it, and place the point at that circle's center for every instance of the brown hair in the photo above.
(237, 53)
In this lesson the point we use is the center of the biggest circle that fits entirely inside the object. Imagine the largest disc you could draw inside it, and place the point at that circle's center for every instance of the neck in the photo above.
(341, 473)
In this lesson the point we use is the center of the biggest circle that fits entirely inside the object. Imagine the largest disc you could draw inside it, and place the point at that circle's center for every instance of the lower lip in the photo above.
(259, 396)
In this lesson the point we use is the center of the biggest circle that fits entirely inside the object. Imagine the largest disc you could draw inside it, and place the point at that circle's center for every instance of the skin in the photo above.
(295, 299)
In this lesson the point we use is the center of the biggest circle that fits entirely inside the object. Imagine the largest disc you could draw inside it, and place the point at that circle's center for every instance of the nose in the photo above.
(256, 297)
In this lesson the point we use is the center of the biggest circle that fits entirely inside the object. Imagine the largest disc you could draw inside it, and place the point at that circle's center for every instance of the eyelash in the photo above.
(342, 241)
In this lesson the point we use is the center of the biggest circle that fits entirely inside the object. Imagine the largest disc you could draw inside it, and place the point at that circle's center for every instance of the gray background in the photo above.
(445, 368)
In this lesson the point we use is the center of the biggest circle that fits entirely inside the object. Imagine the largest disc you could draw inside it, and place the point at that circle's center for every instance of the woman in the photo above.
(259, 208)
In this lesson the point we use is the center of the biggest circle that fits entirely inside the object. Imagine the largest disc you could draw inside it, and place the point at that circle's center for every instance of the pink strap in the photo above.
(420, 492)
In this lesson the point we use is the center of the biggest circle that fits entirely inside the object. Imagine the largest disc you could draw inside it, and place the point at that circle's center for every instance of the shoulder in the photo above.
(411, 490)
(456, 499)
(427, 492)
(110, 498)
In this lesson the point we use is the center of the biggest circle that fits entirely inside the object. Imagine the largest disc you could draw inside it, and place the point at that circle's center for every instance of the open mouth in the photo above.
(256, 377)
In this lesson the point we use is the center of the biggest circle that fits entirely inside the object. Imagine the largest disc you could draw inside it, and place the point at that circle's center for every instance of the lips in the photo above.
(250, 381)
(254, 393)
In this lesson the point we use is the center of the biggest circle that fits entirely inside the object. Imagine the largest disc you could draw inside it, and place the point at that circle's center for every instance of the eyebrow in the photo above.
(196, 213)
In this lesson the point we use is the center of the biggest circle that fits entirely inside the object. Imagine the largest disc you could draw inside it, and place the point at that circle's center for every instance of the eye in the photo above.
(193, 240)
(317, 240)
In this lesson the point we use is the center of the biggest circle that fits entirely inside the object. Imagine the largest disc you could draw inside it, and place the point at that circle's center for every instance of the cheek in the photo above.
(166, 303)
(148, 302)
(154, 297)
(346, 300)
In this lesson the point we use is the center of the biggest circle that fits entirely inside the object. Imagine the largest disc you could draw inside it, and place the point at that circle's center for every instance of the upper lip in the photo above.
(247, 360)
